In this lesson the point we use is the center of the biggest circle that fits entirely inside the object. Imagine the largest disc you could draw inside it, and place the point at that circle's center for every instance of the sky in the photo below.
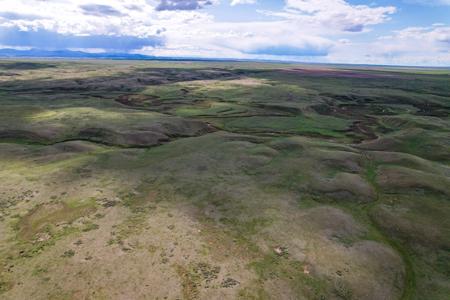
(388, 32)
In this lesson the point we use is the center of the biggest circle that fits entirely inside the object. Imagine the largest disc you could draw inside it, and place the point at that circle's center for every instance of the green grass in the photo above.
(211, 109)
(313, 125)
(272, 266)
(371, 172)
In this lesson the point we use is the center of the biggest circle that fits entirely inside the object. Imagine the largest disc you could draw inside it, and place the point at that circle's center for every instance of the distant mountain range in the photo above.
(67, 54)
(37, 53)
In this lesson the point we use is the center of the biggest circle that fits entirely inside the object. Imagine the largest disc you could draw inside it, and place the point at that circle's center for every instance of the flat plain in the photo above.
(223, 180)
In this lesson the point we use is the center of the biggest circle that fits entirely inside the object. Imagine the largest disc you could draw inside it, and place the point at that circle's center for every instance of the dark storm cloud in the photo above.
(182, 4)
(100, 10)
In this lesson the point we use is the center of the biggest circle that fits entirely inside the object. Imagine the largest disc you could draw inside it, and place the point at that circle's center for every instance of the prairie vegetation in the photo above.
(189, 180)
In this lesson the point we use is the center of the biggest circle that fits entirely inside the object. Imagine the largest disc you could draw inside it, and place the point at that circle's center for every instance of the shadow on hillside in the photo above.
(25, 66)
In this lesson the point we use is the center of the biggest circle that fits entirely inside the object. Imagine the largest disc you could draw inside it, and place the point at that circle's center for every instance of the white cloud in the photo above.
(335, 14)
(183, 4)
(237, 2)
(306, 27)
(82, 17)
(235, 39)
(318, 30)
(191, 32)
(428, 46)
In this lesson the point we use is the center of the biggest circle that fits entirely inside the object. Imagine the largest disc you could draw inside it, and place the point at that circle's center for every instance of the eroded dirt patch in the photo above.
(41, 219)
